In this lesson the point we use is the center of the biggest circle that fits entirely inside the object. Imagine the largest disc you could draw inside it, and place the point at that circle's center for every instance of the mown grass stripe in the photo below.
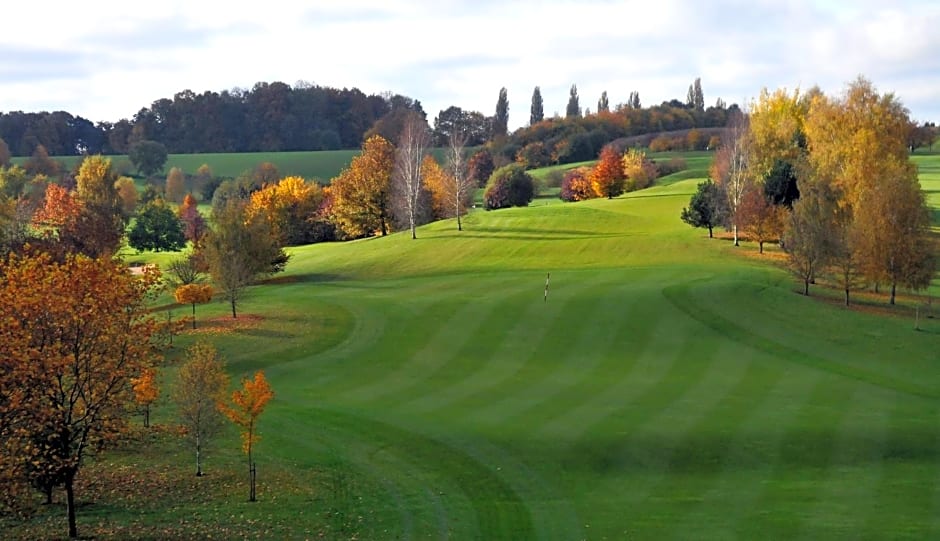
(791, 489)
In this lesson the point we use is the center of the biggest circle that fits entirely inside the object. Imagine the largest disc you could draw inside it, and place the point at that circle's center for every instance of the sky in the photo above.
(106, 59)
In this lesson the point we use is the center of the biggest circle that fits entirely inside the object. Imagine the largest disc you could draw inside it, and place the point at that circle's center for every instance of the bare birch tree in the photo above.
(461, 184)
(730, 168)
(407, 183)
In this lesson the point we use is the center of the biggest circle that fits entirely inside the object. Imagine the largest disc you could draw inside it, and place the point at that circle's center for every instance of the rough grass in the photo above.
(668, 388)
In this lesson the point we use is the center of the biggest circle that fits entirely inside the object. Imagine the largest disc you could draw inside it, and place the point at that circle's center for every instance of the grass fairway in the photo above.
(668, 388)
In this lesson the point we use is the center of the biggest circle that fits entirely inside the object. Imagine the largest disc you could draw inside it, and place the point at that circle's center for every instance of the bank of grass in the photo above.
(670, 386)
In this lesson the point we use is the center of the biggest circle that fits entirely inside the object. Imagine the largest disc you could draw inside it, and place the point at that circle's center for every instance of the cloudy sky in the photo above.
(105, 59)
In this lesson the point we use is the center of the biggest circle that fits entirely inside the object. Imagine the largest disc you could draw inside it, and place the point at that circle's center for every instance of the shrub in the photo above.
(509, 186)
(674, 165)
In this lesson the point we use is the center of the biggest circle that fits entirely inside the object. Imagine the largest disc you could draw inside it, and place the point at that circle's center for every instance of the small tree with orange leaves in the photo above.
(146, 391)
(607, 176)
(248, 404)
(193, 294)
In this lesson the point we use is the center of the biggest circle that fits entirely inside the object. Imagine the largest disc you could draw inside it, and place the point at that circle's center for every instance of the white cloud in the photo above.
(105, 59)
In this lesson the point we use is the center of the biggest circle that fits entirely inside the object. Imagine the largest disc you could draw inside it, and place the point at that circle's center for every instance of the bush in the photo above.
(509, 186)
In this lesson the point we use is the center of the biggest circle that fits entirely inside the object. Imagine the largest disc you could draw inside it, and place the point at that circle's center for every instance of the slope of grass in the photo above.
(667, 388)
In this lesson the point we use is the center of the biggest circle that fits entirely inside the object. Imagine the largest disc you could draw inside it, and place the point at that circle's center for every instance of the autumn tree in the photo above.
(501, 120)
(573, 110)
(481, 167)
(844, 257)
(41, 164)
(808, 235)
(199, 393)
(894, 233)
(361, 191)
(185, 270)
(148, 157)
(246, 407)
(194, 225)
(127, 194)
(157, 228)
(437, 184)
(175, 187)
(638, 170)
(458, 184)
(706, 207)
(99, 227)
(536, 111)
(289, 206)
(239, 249)
(607, 176)
(761, 220)
(777, 132)
(193, 294)
(74, 333)
(146, 391)
(577, 186)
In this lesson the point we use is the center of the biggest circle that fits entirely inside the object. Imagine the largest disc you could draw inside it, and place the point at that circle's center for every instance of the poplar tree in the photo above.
(537, 113)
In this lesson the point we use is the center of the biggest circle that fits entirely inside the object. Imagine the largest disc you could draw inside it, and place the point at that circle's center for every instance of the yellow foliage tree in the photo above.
(193, 294)
(175, 185)
(360, 193)
(288, 206)
(776, 129)
(199, 392)
(437, 182)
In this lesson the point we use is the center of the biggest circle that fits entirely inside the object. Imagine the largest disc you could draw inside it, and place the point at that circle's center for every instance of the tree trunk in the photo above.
(459, 227)
(806, 287)
(234, 315)
(894, 288)
(760, 245)
(846, 296)
(710, 232)
(48, 491)
(70, 505)
(198, 455)
(147, 416)
(734, 228)
(194, 315)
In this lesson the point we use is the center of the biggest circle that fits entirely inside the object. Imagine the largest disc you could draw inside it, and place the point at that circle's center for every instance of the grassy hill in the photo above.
(671, 386)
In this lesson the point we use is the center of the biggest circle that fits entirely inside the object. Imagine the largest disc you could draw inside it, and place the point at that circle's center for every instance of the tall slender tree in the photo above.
(574, 107)
(200, 389)
(537, 111)
(407, 183)
(501, 120)
(603, 105)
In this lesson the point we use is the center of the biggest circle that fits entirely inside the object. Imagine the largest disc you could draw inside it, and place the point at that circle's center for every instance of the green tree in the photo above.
(501, 120)
(148, 157)
(536, 112)
(706, 207)
(603, 105)
(157, 228)
(199, 390)
(574, 107)
(4, 153)
(240, 249)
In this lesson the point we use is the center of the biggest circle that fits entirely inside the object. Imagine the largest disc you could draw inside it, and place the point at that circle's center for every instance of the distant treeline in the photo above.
(270, 117)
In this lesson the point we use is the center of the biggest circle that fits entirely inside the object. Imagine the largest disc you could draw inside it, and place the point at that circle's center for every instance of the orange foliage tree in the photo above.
(146, 391)
(762, 220)
(360, 193)
(73, 334)
(607, 176)
(193, 294)
(577, 186)
(248, 404)
(436, 182)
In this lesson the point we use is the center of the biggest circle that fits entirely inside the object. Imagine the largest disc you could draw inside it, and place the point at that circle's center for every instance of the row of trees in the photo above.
(267, 117)
(614, 173)
(831, 178)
